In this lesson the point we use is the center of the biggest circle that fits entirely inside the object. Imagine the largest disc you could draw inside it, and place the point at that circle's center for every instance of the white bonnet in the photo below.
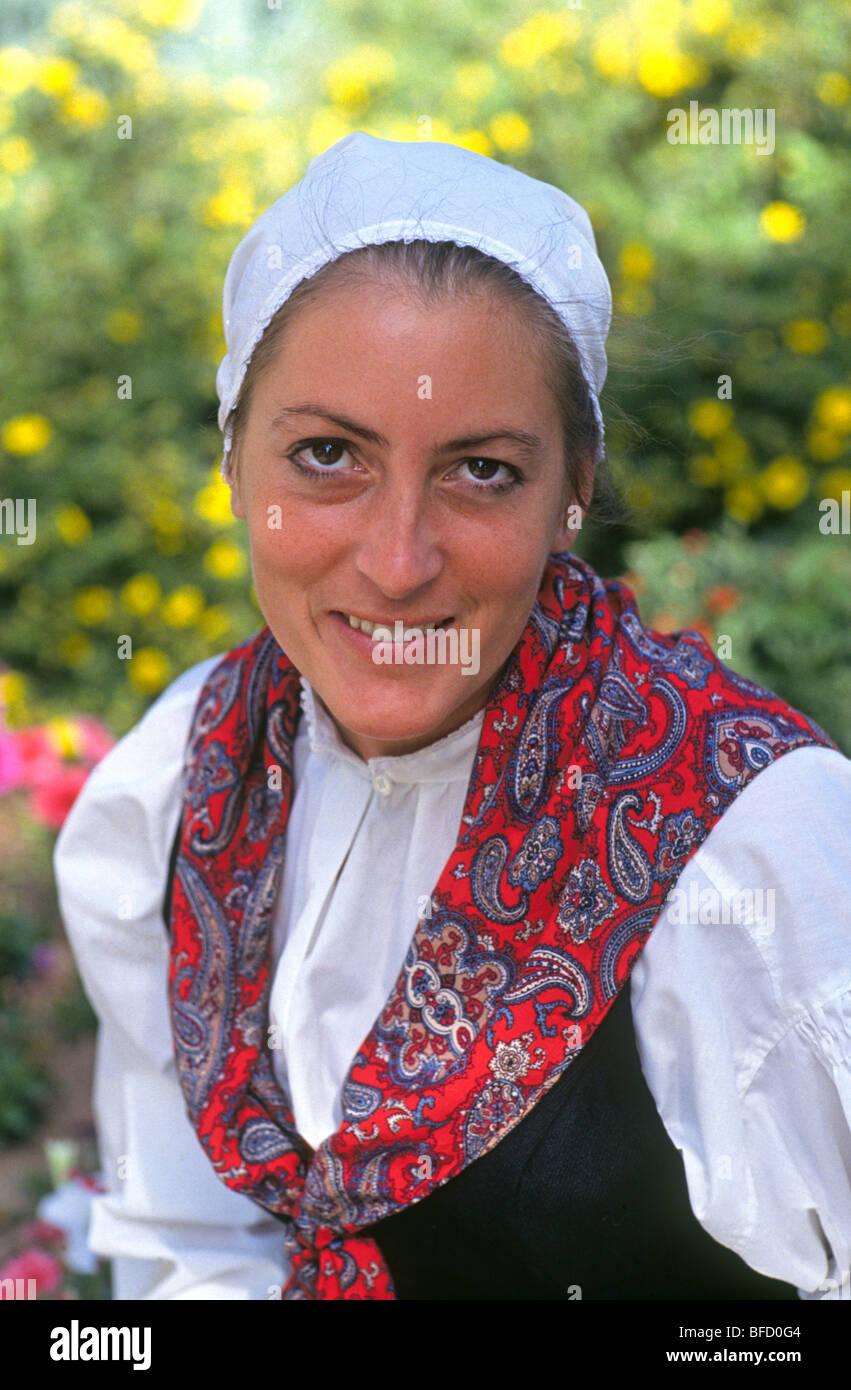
(365, 190)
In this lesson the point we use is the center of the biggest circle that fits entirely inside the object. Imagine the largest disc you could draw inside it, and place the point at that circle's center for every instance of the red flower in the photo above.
(52, 797)
(722, 598)
(34, 1264)
(42, 1233)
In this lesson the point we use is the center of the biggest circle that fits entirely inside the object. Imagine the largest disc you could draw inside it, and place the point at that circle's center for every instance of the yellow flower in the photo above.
(708, 16)
(141, 594)
(327, 125)
(85, 107)
(805, 336)
(56, 76)
(17, 70)
(93, 605)
(510, 132)
(833, 88)
(612, 49)
(166, 517)
(733, 453)
(149, 669)
(636, 261)
(745, 40)
(65, 737)
(213, 503)
(75, 649)
(710, 417)
(474, 80)
(170, 14)
(824, 445)
(742, 501)
(833, 408)
(26, 434)
(214, 623)
(224, 560)
(123, 326)
(663, 71)
(350, 79)
(232, 206)
(833, 484)
(73, 525)
(634, 298)
(474, 140)
(15, 154)
(542, 33)
(13, 694)
(246, 94)
(784, 482)
(183, 606)
(782, 222)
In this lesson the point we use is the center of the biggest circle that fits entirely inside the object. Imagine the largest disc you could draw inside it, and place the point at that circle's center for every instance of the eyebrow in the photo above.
(529, 444)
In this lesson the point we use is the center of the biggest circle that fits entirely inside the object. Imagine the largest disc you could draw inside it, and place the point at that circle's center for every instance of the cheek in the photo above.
(287, 537)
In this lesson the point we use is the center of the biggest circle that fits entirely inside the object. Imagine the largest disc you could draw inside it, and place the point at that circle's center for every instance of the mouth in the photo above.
(410, 626)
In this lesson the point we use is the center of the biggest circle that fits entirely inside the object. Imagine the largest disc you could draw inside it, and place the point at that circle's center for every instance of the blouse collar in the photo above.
(449, 759)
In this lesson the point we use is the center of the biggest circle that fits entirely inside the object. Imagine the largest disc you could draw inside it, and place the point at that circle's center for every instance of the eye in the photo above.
(485, 472)
(326, 452)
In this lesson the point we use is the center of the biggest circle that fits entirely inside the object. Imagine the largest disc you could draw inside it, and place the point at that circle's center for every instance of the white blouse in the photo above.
(743, 1024)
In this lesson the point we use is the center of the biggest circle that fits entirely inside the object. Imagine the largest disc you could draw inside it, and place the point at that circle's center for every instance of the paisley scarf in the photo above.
(607, 753)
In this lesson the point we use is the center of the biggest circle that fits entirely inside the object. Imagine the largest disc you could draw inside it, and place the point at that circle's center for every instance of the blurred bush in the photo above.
(778, 614)
(127, 178)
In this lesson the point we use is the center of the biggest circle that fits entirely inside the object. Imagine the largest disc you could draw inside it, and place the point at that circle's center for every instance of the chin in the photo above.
(399, 713)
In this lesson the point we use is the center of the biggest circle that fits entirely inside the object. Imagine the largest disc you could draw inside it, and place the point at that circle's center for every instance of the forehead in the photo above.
(377, 339)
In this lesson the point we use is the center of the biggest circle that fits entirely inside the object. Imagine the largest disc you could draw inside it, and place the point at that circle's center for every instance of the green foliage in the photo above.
(725, 262)
(24, 1080)
(784, 608)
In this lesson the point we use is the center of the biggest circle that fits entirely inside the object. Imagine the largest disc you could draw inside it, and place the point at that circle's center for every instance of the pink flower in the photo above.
(96, 739)
(11, 763)
(34, 1264)
(52, 797)
(37, 753)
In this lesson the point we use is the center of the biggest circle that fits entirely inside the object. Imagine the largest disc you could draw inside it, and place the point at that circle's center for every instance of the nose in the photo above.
(398, 547)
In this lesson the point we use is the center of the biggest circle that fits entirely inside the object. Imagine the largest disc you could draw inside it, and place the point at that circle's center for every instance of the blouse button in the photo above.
(381, 784)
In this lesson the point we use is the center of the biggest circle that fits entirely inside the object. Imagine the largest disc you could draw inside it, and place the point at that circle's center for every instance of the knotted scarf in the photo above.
(607, 753)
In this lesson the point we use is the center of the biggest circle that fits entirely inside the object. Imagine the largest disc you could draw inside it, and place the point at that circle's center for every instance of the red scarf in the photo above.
(607, 754)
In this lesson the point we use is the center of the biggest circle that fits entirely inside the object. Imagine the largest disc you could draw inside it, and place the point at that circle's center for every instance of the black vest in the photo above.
(585, 1198)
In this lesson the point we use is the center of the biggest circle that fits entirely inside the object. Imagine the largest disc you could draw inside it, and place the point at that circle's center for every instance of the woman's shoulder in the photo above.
(755, 935)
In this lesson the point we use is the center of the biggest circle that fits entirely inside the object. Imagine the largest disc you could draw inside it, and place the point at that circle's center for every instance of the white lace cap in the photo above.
(364, 190)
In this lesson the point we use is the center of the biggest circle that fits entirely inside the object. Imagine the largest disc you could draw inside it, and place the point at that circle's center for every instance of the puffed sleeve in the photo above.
(172, 1229)
(741, 1000)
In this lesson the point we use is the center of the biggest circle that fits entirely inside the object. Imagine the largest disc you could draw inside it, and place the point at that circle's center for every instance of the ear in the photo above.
(236, 504)
(231, 477)
(569, 530)
(574, 513)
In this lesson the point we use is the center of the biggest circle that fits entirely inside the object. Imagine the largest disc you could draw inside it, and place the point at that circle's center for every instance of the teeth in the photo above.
(364, 626)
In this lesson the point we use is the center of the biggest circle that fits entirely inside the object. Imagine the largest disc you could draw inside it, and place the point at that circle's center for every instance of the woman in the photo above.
(519, 974)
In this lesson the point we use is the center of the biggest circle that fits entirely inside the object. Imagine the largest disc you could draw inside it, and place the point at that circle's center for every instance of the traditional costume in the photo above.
(483, 1122)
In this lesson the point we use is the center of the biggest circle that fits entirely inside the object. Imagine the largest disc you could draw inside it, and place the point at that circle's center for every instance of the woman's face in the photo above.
(380, 481)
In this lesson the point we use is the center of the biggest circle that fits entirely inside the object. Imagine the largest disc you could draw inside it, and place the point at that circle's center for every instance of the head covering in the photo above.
(364, 190)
